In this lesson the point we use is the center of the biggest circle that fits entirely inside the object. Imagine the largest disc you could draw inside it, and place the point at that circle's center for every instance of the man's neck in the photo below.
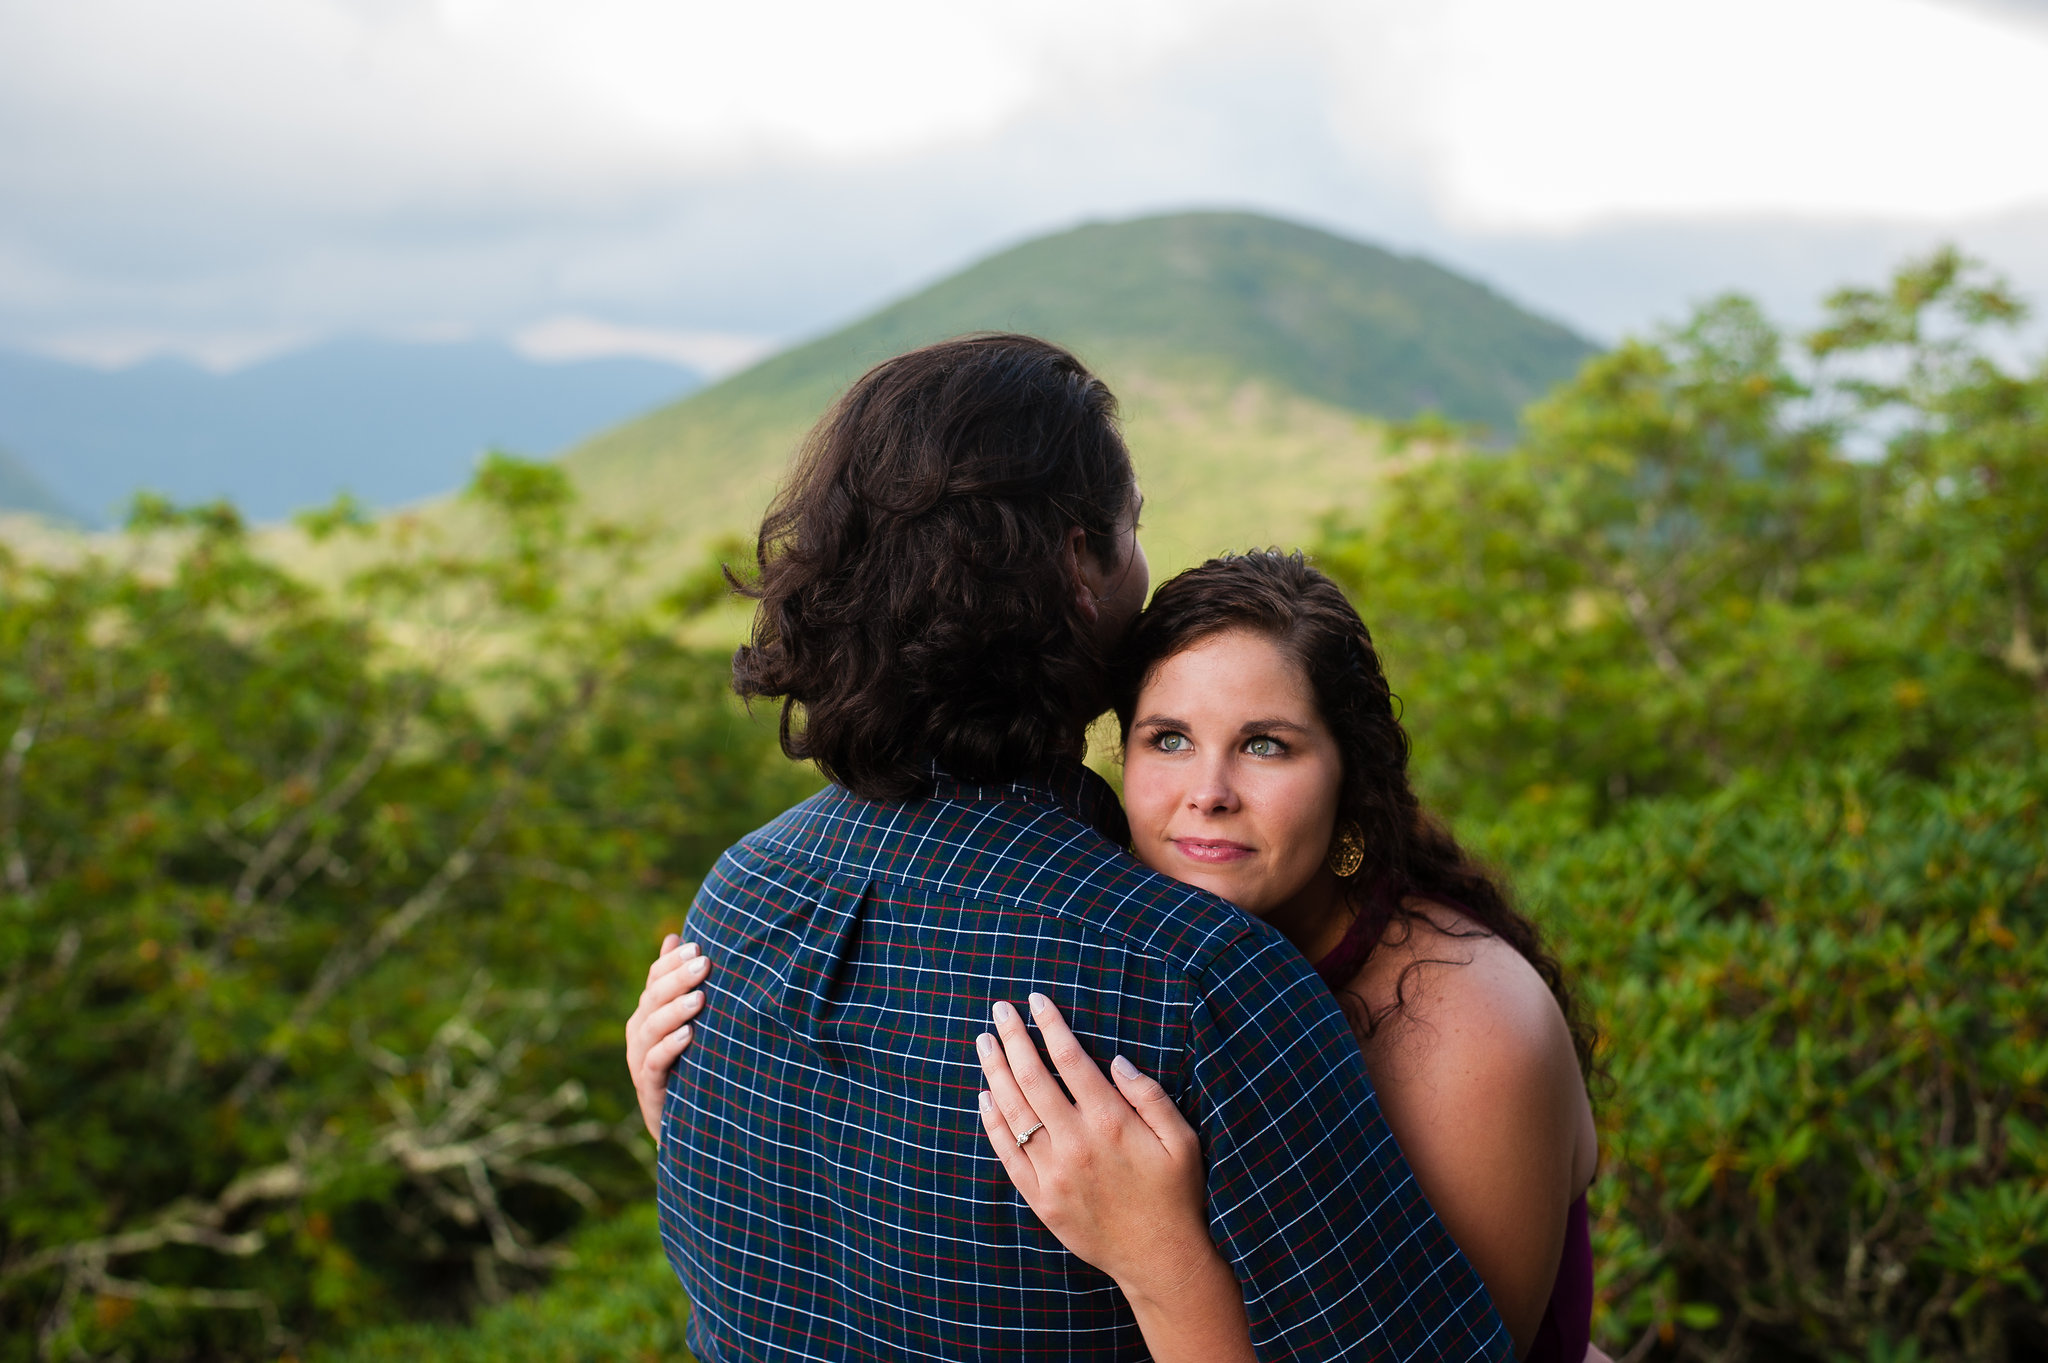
(1071, 784)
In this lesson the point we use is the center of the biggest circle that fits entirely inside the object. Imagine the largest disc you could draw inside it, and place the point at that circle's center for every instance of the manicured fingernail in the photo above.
(694, 996)
(697, 963)
(985, 1043)
(669, 942)
(1039, 1003)
(986, 1101)
(1123, 1069)
(689, 948)
(1004, 1012)
(683, 1032)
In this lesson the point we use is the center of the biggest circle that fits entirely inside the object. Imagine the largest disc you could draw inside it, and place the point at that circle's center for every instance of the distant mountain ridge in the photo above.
(1256, 361)
(1246, 350)
(21, 490)
(389, 422)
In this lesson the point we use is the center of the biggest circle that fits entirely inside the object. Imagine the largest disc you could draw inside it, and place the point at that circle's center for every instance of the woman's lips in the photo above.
(1211, 851)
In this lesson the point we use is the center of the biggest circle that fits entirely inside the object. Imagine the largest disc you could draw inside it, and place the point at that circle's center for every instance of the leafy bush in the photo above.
(1824, 1001)
(318, 920)
(615, 1301)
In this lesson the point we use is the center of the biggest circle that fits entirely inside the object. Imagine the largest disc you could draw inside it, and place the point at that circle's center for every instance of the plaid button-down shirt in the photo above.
(826, 1190)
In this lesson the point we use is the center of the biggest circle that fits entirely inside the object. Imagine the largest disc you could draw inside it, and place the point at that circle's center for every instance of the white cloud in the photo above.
(711, 353)
(236, 168)
(1559, 115)
(221, 352)
(354, 106)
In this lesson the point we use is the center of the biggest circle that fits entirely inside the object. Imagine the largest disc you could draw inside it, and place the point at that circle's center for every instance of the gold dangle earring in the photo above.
(1347, 851)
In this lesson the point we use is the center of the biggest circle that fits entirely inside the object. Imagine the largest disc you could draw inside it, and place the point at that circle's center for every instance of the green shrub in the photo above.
(615, 1302)
(1824, 1001)
(318, 920)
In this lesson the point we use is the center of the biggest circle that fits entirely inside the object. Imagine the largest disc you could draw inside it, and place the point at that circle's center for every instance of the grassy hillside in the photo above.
(1246, 350)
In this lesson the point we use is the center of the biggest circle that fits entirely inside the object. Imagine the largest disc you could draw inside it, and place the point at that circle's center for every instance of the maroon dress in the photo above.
(1567, 1326)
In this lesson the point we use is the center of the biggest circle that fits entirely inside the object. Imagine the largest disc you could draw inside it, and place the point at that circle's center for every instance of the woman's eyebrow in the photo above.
(1249, 726)
(1263, 725)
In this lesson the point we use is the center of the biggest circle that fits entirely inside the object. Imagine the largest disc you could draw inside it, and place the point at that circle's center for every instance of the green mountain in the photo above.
(1252, 356)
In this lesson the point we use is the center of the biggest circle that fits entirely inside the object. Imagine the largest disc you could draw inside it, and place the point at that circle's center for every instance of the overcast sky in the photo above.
(224, 177)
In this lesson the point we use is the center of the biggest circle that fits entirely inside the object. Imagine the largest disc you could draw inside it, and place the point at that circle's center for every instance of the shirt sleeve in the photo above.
(1309, 1198)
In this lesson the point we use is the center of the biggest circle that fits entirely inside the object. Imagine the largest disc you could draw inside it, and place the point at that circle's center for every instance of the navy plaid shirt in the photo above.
(826, 1190)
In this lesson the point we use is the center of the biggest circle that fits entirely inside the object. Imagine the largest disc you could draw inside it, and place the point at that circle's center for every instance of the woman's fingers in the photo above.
(1154, 1106)
(677, 1011)
(1041, 1092)
(664, 958)
(659, 1031)
(672, 985)
(1116, 1175)
(685, 960)
(1002, 1138)
(1010, 1100)
(664, 1020)
(1075, 1065)
(663, 1053)
(664, 1005)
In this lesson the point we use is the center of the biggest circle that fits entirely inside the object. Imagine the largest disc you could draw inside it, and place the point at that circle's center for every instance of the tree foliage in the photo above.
(1682, 574)
(315, 913)
(616, 1301)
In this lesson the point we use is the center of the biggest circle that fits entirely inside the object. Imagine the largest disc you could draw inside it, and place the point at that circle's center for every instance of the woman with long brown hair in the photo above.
(1264, 760)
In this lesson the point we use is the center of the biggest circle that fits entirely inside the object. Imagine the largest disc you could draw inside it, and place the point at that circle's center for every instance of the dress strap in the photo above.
(1340, 965)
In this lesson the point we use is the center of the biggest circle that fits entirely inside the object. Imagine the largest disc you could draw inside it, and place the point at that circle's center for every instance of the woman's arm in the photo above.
(1117, 1175)
(659, 1029)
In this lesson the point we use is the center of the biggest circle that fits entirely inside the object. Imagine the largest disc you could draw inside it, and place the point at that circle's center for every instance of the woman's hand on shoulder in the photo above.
(659, 1029)
(1117, 1173)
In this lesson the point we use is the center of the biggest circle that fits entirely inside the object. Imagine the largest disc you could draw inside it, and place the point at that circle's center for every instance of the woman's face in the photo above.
(1231, 780)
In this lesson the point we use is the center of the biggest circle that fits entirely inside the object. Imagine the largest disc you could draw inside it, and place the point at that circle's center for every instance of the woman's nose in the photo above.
(1212, 791)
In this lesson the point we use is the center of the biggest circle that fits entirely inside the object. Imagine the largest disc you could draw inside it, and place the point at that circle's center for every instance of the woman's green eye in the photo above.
(1172, 742)
(1263, 747)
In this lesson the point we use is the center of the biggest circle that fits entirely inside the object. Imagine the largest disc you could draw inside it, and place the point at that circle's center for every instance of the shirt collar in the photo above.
(1070, 785)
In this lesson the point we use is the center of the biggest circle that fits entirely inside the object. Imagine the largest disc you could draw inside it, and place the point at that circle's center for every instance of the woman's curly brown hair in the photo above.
(916, 605)
(1410, 856)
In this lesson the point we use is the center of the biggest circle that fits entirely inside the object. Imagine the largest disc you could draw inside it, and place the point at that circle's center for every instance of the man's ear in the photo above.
(1082, 570)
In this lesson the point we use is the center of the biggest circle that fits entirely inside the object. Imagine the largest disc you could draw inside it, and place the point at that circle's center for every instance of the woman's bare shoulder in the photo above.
(1456, 999)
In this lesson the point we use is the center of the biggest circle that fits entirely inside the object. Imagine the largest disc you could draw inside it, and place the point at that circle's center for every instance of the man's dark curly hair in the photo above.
(1411, 858)
(916, 602)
